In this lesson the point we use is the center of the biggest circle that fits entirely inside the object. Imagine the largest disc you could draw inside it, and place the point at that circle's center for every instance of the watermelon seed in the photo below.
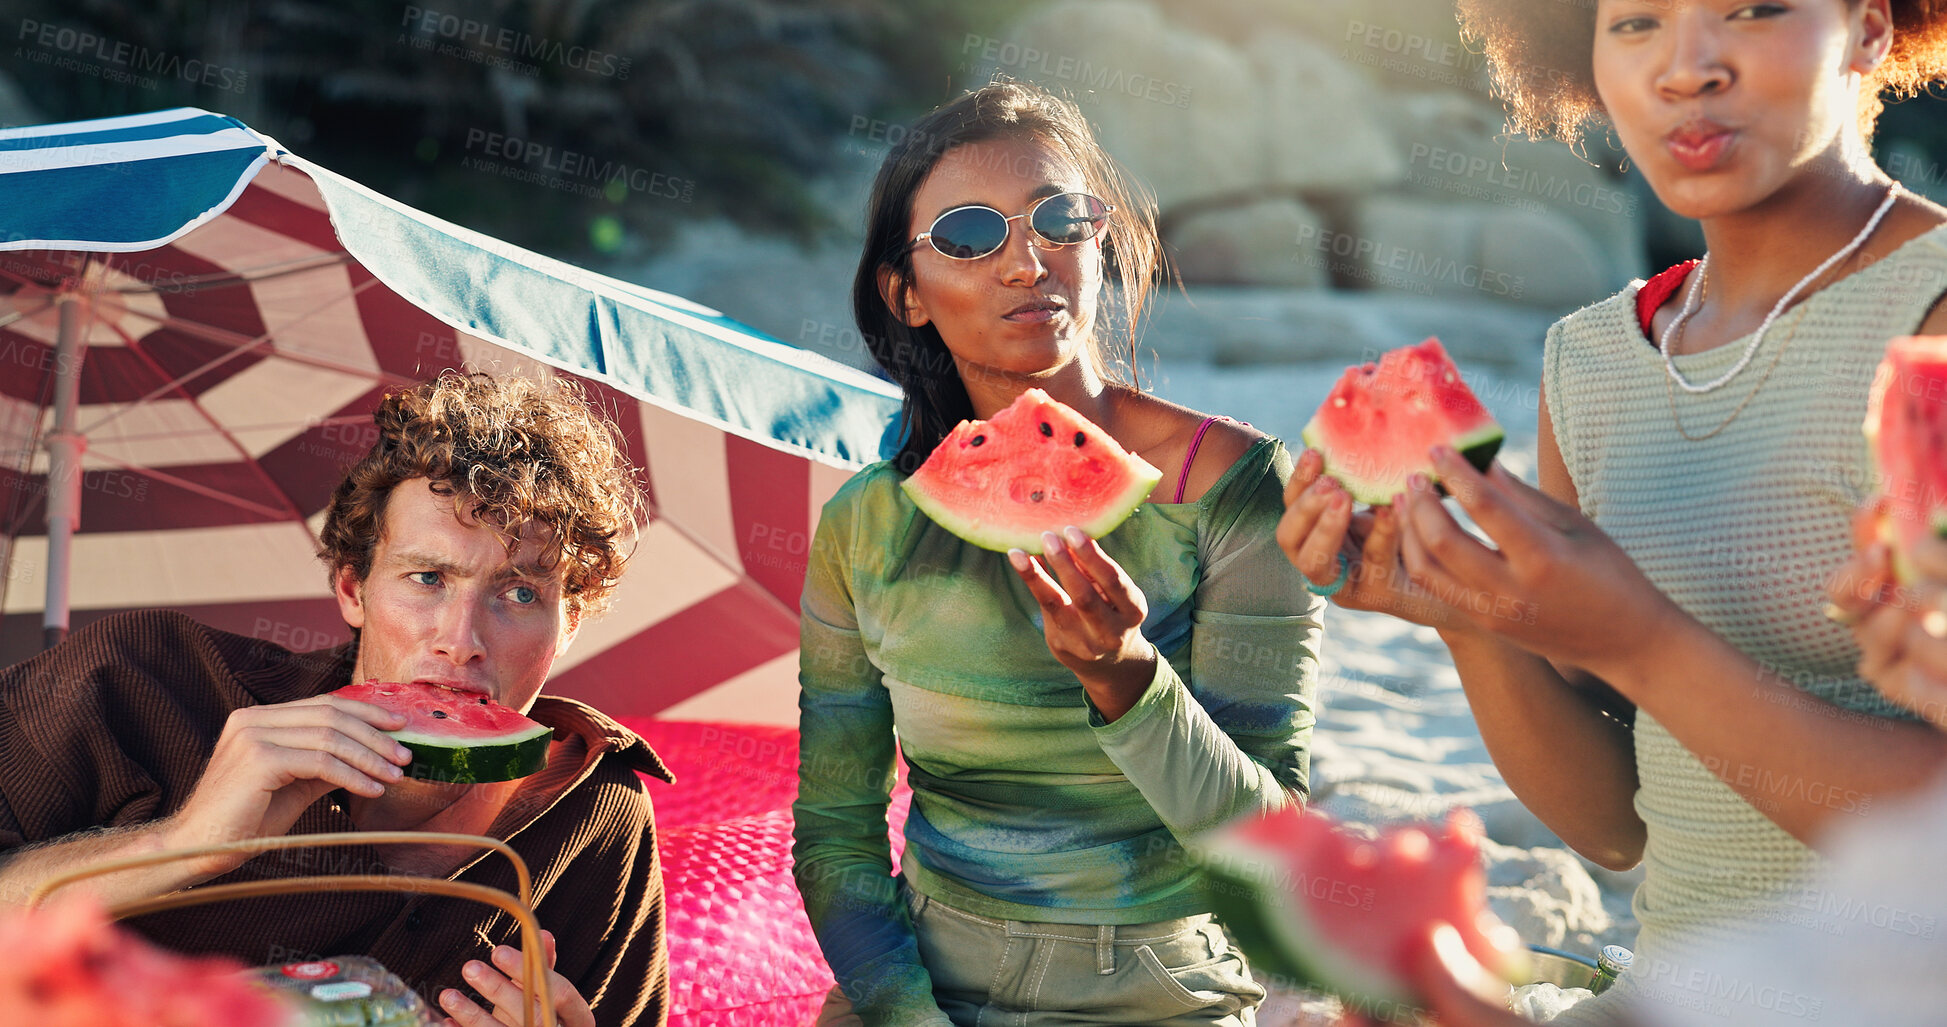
(977, 440)
(439, 714)
(1035, 495)
(1047, 429)
(1080, 438)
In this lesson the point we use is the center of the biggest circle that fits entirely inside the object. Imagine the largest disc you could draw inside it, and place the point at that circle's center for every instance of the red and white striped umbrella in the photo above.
(225, 367)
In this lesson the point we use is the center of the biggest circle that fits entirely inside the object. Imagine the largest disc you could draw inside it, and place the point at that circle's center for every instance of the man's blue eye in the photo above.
(524, 594)
(432, 576)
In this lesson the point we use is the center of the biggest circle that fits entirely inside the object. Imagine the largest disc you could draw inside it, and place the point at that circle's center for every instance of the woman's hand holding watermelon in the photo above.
(1319, 528)
(1552, 582)
(1092, 615)
(1901, 629)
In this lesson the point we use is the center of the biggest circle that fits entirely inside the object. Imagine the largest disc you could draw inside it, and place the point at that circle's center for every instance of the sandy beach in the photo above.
(1395, 739)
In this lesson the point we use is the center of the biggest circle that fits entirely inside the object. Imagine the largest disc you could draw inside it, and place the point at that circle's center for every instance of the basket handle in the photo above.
(533, 970)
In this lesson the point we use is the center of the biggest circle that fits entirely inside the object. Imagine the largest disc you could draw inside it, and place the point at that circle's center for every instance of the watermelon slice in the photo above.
(1906, 426)
(1036, 466)
(1377, 423)
(68, 965)
(1349, 915)
(457, 736)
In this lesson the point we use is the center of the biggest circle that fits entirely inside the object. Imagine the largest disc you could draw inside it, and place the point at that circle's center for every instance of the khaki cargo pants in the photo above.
(1012, 973)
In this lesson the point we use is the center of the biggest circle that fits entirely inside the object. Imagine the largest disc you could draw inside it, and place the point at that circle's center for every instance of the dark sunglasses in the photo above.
(969, 233)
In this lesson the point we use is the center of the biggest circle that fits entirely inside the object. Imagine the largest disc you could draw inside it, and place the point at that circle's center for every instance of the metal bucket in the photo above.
(1568, 970)
(1561, 969)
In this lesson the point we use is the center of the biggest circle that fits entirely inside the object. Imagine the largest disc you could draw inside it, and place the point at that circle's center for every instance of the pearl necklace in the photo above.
(1690, 304)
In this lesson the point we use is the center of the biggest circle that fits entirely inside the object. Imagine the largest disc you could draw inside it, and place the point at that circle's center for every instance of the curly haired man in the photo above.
(489, 520)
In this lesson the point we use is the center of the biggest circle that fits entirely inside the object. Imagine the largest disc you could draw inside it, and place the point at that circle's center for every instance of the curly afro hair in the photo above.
(1540, 55)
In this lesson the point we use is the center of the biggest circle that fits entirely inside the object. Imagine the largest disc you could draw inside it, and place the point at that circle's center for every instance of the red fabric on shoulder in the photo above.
(1657, 290)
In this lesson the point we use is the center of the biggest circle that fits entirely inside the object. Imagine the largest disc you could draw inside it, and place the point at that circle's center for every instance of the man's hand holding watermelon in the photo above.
(269, 765)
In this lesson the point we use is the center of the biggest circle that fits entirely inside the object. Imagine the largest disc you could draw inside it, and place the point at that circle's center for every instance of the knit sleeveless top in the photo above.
(1742, 529)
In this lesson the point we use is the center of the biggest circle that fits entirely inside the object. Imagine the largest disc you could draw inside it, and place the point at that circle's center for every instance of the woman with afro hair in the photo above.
(1674, 692)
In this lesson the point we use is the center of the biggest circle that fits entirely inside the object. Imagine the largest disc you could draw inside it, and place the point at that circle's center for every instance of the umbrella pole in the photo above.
(64, 449)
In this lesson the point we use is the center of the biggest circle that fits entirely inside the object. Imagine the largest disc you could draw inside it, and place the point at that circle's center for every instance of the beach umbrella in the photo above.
(195, 325)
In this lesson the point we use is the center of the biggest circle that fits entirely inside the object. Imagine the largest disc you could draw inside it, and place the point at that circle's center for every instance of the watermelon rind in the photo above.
(1260, 878)
(1118, 509)
(445, 733)
(1278, 931)
(475, 760)
(1477, 447)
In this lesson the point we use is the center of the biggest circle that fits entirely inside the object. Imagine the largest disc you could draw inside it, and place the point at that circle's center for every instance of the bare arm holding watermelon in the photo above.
(1904, 655)
(1900, 630)
(1595, 609)
(1558, 745)
(1581, 603)
(1231, 735)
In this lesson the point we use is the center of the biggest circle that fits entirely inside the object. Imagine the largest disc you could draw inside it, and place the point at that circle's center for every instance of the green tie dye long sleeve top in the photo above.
(1026, 805)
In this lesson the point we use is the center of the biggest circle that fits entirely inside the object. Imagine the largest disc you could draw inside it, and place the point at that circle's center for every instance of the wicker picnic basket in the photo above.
(533, 970)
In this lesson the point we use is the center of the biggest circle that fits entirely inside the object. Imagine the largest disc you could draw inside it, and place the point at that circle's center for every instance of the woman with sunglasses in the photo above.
(1678, 698)
(1067, 717)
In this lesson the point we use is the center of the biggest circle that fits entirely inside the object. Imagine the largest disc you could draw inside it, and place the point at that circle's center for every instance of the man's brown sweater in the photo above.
(114, 727)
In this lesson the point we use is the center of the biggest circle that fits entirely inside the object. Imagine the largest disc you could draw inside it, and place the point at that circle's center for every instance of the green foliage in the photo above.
(578, 127)
(548, 122)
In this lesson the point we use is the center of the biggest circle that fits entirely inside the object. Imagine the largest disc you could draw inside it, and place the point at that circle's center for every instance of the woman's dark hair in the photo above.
(1540, 53)
(916, 358)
